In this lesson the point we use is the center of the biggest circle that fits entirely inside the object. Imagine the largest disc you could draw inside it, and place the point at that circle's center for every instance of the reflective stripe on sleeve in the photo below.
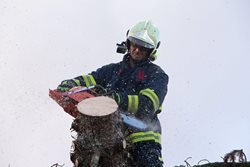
(89, 80)
(145, 136)
(152, 96)
(133, 103)
(77, 81)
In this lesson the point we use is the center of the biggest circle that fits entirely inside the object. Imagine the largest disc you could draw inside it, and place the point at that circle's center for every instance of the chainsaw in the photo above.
(72, 102)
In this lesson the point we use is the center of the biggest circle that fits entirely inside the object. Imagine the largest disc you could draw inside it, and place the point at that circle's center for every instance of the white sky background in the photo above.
(205, 50)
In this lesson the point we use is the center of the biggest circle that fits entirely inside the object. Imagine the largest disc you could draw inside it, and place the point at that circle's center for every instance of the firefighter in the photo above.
(139, 87)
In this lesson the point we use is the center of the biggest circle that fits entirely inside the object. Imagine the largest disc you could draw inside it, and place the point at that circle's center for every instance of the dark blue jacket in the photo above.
(142, 90)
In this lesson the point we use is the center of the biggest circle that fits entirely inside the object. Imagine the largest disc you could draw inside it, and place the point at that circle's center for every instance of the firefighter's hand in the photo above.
(116, 97)
(66, 85)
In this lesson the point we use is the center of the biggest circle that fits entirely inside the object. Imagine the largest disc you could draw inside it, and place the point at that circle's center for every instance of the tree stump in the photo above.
(99, 141)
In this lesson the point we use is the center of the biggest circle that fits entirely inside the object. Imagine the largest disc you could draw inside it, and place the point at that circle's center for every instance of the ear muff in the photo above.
(155, 53)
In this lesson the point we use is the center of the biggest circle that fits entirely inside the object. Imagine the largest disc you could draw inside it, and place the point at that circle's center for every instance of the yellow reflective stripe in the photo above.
(153, 97)
(133, 103)
(160, 109)
(77, 82)
(89, 80)
(145, 136)
(160, 159)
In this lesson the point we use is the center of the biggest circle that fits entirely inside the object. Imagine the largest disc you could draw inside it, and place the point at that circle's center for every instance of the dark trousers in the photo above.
(146, 154)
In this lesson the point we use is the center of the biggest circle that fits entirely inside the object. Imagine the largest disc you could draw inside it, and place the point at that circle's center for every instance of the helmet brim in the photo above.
(141, 42)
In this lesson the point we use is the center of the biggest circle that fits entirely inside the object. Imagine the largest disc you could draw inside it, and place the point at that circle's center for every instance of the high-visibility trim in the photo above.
(152, 96)
(133, 102)
(89, 80)
(63, 89)
(145, 136)
(77, 82)
(160, 159)
(160, 108)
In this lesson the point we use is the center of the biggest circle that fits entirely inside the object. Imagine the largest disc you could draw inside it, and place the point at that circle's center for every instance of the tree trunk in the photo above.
(99, 140)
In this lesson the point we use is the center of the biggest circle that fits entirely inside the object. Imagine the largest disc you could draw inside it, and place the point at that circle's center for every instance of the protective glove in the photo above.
(66, 85)
(117, 97)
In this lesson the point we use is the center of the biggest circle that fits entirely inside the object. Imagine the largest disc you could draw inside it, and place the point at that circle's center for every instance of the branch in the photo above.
(57, 165)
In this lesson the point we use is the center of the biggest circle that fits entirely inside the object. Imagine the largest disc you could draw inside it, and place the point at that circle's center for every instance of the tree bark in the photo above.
(99, 140)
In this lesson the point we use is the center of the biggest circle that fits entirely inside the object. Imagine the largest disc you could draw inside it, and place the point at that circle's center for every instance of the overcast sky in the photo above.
(205, 46)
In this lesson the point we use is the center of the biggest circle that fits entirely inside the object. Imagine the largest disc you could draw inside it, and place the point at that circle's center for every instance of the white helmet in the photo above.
(145, 34)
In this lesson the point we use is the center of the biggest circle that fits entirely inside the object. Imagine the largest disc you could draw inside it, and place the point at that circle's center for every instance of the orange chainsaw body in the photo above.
(69, 101)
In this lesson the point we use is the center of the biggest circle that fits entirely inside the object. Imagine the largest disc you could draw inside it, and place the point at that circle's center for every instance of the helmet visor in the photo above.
(140, 43)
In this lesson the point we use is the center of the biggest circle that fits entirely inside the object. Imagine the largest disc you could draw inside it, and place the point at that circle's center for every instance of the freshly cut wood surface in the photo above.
(99, 134)
(97, 106)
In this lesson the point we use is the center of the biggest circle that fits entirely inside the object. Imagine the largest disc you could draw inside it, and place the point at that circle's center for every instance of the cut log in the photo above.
(99, 134)
(97, 106)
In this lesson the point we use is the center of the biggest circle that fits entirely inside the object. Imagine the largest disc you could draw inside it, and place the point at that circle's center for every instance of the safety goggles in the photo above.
(141, 48)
